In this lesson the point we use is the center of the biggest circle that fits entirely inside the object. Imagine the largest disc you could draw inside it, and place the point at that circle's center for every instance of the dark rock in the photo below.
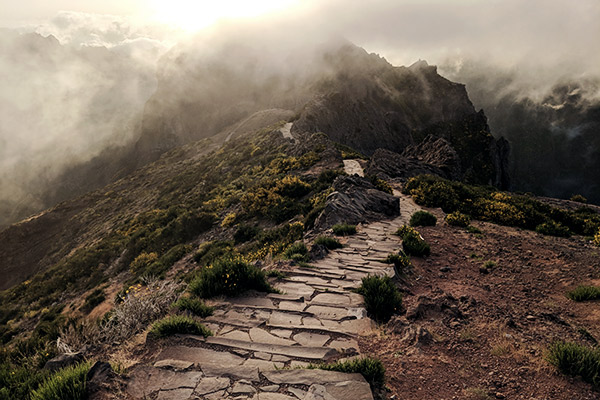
(444, 305)
(63, 360)
(388, 165)
(437, 153)
(99, 376)
(410, 333)
(356, 200)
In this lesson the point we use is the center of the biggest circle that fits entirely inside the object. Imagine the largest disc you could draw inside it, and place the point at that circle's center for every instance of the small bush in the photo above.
(579, 198)
(423, 218)
(415, 246)
(553, 229)
(179, 324)
(297, 252)
(597, 239)
(382, 298)
(401, 262)
(194, 306)
(380, 184)
(584, 293)
(458, 219)
(576, 360)
(371, 369)
(229, 277)
(67, 384)
(473, 229)
(275, 273)
(405, 230)
(344, 229)
(329, 242)
(211, 251)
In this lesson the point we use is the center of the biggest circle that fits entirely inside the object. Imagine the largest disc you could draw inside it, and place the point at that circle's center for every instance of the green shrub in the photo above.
(458, 219)
(194, 306)
(275, 273)
(382, 298)
(297, 252)
(473, 229)
(578, 198)
(584, 293)
(401, 262)
(380, 184)
(576, 360)
(229, 277)
(344, 229)
(66, 384)
(596, 240)
(371, 369)
(414, 245)
(553, 229)
(405, 230)
(329, 242)
(245, 233)
(423, 218)
(178, 324)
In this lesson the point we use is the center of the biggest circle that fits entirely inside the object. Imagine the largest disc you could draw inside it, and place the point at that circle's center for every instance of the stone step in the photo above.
(302, 352)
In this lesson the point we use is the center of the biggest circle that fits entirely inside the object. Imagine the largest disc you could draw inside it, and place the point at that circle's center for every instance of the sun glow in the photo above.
(195, 15)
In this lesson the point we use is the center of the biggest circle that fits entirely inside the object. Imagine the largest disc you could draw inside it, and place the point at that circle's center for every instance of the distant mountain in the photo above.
(554, 134)
(357, 99)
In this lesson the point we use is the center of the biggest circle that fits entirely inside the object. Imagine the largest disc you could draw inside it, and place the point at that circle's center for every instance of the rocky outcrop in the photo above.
(388, 165)
(356, 200)
(438, 153)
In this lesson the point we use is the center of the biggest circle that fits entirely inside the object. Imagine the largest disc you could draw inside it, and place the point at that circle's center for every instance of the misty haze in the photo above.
(196, 198)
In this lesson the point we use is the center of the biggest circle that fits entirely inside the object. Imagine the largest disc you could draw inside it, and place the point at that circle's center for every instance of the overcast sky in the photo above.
(400, 29)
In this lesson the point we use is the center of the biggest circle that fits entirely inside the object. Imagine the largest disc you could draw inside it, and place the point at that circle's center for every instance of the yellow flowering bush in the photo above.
(597, 238)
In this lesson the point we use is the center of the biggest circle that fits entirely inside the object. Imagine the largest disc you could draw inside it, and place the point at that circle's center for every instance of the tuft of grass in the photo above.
(401, 262)
(576, 360)
(66, 384)
(329, 242)
(370, 368)
(229, 277)
(382, 298)
(178, 324)
(297, 252)
(423, 218)
(457, 218)
(344, 229)
(584, 293)
(579, 198)
(194, 306)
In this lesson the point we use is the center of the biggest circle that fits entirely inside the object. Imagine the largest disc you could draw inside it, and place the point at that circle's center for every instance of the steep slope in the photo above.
(357, 99)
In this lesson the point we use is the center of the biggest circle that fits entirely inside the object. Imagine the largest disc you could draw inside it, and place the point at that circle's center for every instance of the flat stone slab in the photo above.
(292, 306)
(310, 376)
(145, 380)
(272, 396)
(330, 298)
(258, 335)
(199, 356)
(175, 364)
(295, 289)
(311, 353)
(212, 384)
(237, 335)
(233, 371)
(344, 345)
(311, 339)
(333, 313)
(342, 390)
(253, 301)
(263, 365)
(281, 318)
(177, 394)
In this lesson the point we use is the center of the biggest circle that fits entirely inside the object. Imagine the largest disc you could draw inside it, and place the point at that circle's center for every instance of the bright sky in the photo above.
(189, 15)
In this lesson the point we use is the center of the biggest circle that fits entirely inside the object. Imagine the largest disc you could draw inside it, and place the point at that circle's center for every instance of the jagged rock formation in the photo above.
(439, 153)
(356, 200)
(357, 99)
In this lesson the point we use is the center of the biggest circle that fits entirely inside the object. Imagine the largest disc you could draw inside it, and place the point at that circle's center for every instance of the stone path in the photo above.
(352, 167)
(261, 339)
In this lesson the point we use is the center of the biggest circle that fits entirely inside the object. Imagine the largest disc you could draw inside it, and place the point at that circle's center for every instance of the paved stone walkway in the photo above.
(261, 339)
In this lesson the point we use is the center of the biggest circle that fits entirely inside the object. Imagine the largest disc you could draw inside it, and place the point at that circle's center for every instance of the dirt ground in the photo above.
(489, 329)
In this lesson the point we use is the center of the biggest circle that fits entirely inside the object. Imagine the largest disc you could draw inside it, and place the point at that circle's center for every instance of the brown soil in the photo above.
(510, 315)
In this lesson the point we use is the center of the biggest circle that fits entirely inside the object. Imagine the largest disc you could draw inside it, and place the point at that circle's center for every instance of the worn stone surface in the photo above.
(311, 339)
(258, 335)
(175, 364)
(176, 394)
(310, 376)
(212, 384)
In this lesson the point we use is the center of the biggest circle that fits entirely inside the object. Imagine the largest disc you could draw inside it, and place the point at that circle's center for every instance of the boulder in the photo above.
(63, 360)
(356, 200)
